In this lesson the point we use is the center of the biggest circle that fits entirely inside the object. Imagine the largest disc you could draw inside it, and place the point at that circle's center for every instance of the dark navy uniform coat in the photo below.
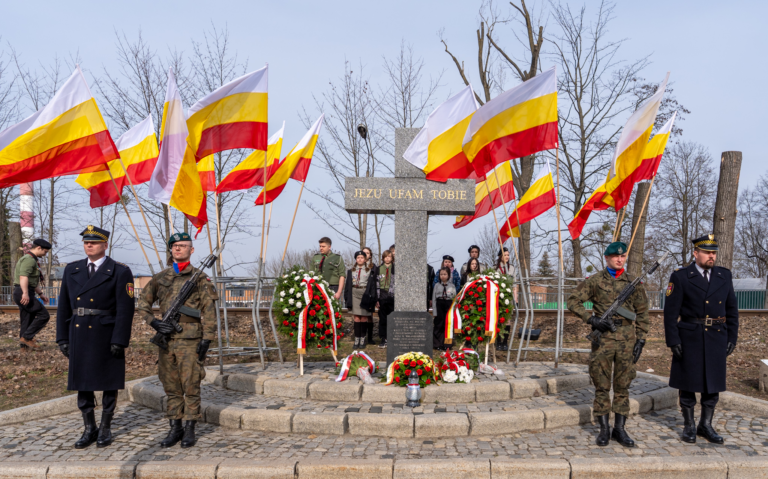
(702, 368)
(91, 365)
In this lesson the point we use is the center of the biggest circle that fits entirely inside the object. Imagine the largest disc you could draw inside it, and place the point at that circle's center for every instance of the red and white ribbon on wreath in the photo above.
(453, 319)
(347, 362)
(310, 284)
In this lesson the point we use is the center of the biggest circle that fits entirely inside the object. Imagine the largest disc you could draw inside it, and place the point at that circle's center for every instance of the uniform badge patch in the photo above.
(129, 289)
(670, 288)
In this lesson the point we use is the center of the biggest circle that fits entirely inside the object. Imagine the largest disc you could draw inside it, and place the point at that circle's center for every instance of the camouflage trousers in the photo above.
(611, 364)
(181, 374)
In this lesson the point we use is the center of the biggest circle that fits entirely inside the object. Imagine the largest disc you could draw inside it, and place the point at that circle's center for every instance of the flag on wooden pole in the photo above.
(232, 116)
(137, 148)
(295, 165)
(519, 122)
(250, 172)
(483, 201)
(67, 136)
(436, 149)
(539, 198)
(175, 180)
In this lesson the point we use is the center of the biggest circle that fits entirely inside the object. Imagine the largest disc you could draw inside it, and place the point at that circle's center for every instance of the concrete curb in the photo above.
(658, 467)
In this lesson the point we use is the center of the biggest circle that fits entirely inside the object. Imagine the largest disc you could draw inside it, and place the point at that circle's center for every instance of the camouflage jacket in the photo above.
(603, 289)
(165, 286)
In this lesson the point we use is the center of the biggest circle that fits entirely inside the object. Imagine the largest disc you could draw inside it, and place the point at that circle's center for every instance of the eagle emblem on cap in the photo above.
(711, 237)
(621, 250)
(176, 237)
(90, 227)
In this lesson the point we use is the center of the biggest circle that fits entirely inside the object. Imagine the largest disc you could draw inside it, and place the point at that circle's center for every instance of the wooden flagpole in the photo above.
(642, 210)
(561, 271)
(218, 230)
(141, 210)
(290, 230)
(135, 232)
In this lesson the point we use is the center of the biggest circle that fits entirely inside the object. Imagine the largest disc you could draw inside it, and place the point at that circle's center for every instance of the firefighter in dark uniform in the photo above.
(702, 297)
(93, 328)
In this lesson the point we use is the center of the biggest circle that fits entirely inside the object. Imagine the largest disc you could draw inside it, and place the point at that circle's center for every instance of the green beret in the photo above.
(182, 236)
(617, 247)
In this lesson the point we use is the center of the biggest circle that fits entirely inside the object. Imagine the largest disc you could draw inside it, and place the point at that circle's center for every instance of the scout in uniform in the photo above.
(474, 252)
(330, 266)
(93, 328)
(612, 362)
(702, 297)
(26, 282)
(181, 366)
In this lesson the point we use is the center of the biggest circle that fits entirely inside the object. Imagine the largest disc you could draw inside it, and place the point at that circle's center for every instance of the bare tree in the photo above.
(682, 208)
(598, 88)
(752, 231)
(9, 108)
(493, 60)
(342, 152)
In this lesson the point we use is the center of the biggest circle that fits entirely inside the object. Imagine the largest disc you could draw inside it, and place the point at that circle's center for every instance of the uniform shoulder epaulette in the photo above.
(122, 264)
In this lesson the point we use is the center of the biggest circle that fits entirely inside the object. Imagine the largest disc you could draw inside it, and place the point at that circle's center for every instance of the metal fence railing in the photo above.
(243, 296)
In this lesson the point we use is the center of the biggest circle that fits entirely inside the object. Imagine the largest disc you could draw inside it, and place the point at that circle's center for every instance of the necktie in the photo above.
(91, 269)
(321, 263)
(706, 275)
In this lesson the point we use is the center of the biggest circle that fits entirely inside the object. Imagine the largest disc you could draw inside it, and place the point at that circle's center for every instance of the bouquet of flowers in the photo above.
(482, 309)
(357, 360)
(307, 313)
(401, 368)
(452, 360)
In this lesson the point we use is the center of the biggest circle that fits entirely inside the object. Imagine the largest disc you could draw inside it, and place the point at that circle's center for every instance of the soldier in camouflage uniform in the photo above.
(181, 366)
(612, 362)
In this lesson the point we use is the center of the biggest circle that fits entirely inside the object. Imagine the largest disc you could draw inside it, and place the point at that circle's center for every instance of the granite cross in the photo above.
(411, 198)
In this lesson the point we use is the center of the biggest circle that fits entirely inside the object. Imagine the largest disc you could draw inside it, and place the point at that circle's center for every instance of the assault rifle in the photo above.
(617, 308)
(173, 313)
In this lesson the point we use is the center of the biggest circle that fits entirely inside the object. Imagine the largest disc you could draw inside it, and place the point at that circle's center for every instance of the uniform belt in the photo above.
(188, 319)
(705, 321)
(359, 287)
(93, 312)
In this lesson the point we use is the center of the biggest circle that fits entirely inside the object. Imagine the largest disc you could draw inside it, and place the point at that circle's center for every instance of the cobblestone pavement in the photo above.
(326, 371)
(138, 431)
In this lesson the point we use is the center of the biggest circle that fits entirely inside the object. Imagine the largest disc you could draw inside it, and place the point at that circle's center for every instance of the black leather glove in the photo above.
(202, 349)
(729, 349)
(118, 352)
(64, 348)
(637, 350)
(161, 327)
(677, 351)
(599, 324)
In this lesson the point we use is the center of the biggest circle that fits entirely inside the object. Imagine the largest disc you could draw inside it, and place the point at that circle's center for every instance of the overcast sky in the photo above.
(712, 48)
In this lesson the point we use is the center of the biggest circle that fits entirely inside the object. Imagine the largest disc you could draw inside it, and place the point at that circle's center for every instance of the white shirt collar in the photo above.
(701, 270)
(98, 262)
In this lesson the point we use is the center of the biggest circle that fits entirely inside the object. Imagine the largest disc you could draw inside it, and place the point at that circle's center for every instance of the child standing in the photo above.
(386, 294)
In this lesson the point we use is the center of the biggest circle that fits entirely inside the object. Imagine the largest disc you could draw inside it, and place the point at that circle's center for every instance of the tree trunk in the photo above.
(635, 260)
(576, 247)
(526, 175)
(724, 222)
(16, 246)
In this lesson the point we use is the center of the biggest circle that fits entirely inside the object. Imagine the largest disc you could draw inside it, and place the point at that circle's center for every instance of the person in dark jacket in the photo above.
(361, 295)
(702, 297)
(93, 328)
(369, 261)
(430, 285)
(455, 276)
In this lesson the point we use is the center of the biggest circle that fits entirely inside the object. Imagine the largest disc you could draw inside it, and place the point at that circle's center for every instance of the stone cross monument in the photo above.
(411, 198)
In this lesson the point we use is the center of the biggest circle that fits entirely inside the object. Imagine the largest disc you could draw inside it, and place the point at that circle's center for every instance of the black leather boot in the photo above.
(604, 437)
(91, 432)
(689, 430)
(705, 428)
(189, 434)
(174, 435)
(105, 430)
(619, 434)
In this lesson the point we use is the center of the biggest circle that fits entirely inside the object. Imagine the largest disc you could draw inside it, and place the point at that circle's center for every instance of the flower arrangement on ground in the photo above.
(481, 309)
(401, 367)
(307, 313)
(457, 363)
(351, 364)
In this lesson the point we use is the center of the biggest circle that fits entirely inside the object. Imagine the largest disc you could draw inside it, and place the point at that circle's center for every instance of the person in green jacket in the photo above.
(26, 282)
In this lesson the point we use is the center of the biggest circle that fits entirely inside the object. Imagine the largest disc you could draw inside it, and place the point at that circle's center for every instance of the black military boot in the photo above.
(705, 428)
(174, 435)
(91, 432)
(604, 437)
(105, 431)
(189, 434)
(619, 434)
(689, 431)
